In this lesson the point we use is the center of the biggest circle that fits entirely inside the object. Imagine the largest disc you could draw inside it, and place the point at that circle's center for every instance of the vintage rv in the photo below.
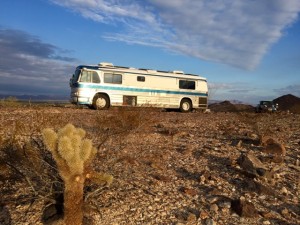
(104, 85)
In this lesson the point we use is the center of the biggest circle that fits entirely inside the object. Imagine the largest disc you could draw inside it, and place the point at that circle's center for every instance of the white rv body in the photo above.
(105, 85)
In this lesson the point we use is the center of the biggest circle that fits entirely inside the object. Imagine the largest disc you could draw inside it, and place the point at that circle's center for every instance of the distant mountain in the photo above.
(288, 102)
(38, 97)
(227, 106)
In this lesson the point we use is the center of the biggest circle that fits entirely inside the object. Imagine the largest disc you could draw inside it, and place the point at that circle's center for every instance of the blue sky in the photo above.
(248, 50)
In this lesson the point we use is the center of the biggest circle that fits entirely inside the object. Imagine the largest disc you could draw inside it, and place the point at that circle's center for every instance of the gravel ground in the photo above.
(168, 167)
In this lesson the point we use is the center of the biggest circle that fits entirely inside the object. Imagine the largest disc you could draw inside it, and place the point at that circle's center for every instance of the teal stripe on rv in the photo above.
(116, 88)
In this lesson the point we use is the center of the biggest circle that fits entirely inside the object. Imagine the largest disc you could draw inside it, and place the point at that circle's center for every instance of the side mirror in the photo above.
(71, 81)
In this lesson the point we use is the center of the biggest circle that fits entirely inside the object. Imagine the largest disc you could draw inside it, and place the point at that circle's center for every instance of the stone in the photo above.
(214, 208)
(203, 215)
(190, 191)
(251, 164)
(225, 204)
(210, 222)
(212, 199)
(273, 146)
(284, 190)
(285, 212)
(191, 218)
(244, 208)
(202, 179)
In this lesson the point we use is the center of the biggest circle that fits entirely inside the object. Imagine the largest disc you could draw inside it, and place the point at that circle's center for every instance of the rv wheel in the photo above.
(185, 105)
(101, 102)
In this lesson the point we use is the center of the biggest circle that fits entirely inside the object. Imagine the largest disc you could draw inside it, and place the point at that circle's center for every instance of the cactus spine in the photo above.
(73, 155)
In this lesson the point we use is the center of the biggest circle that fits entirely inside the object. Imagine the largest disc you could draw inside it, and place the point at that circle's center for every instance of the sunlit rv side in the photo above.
(104, 85)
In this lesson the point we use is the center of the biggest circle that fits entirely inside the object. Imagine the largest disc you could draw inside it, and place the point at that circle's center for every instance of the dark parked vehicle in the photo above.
(266, 106)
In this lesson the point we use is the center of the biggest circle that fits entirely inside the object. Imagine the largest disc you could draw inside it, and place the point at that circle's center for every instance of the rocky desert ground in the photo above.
(168, 167)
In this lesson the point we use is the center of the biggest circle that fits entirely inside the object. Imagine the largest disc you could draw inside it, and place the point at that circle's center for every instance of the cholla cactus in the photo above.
(73, 155)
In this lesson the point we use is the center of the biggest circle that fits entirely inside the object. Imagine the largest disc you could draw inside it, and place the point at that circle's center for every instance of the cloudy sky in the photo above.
(248, 50)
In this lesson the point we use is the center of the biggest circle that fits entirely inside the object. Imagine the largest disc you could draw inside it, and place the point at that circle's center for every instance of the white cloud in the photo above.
(108, 11)
(291, 89)
(32, 66)
(234, 32)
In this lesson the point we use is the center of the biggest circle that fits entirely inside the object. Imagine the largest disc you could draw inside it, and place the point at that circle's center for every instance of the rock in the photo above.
(210, 222)
(237, 143)
(259, 188)
(254, 136)
(191, 218)
(202, 179)
(190, 191)
(52, 213)
(203, 215)
(207, 111)
(268, 215)
(244, 208)
(225, 204)
(214, 208)
(251, 165)
(273, 146)
(284, 191)
(212, 200)
(285, 212)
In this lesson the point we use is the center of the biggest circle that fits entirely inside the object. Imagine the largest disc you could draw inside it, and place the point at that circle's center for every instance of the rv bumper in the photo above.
(80, 100)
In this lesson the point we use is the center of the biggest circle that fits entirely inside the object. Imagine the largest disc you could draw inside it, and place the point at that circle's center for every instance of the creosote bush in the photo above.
(26, 161)
(73, 154)
(122, 122)
(10, 101)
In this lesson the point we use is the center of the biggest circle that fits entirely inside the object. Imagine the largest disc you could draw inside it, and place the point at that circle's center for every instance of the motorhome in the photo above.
(104, 85)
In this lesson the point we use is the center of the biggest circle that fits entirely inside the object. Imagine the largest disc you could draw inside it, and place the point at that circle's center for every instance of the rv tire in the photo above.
(101, 101)
(185, 105)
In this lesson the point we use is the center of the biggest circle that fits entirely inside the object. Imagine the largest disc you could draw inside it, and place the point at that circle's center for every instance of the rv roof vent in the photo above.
(106, 64)
(178, 71)
(151, 71)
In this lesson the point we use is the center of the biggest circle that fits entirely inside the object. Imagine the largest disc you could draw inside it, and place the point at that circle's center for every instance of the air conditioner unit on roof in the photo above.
(106, 64)
(178, 71)
(151, 71)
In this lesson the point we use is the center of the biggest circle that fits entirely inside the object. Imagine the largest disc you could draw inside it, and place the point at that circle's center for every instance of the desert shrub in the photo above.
(29, 126)
(122, 122)
(10, 101)
(28, 162)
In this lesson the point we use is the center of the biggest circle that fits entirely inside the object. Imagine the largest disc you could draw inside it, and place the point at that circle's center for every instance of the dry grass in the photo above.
(25, 162)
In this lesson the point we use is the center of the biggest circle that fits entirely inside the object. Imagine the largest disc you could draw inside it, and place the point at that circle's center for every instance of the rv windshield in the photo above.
(76, 75)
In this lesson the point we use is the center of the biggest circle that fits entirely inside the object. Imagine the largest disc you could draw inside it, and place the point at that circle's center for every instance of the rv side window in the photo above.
(113, 78)
(89, 77)
(141, 78)
(96, 78)
(187, 84)
(85, 76)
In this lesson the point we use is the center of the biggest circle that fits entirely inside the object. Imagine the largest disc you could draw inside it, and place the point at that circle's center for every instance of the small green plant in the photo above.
(73, 154)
